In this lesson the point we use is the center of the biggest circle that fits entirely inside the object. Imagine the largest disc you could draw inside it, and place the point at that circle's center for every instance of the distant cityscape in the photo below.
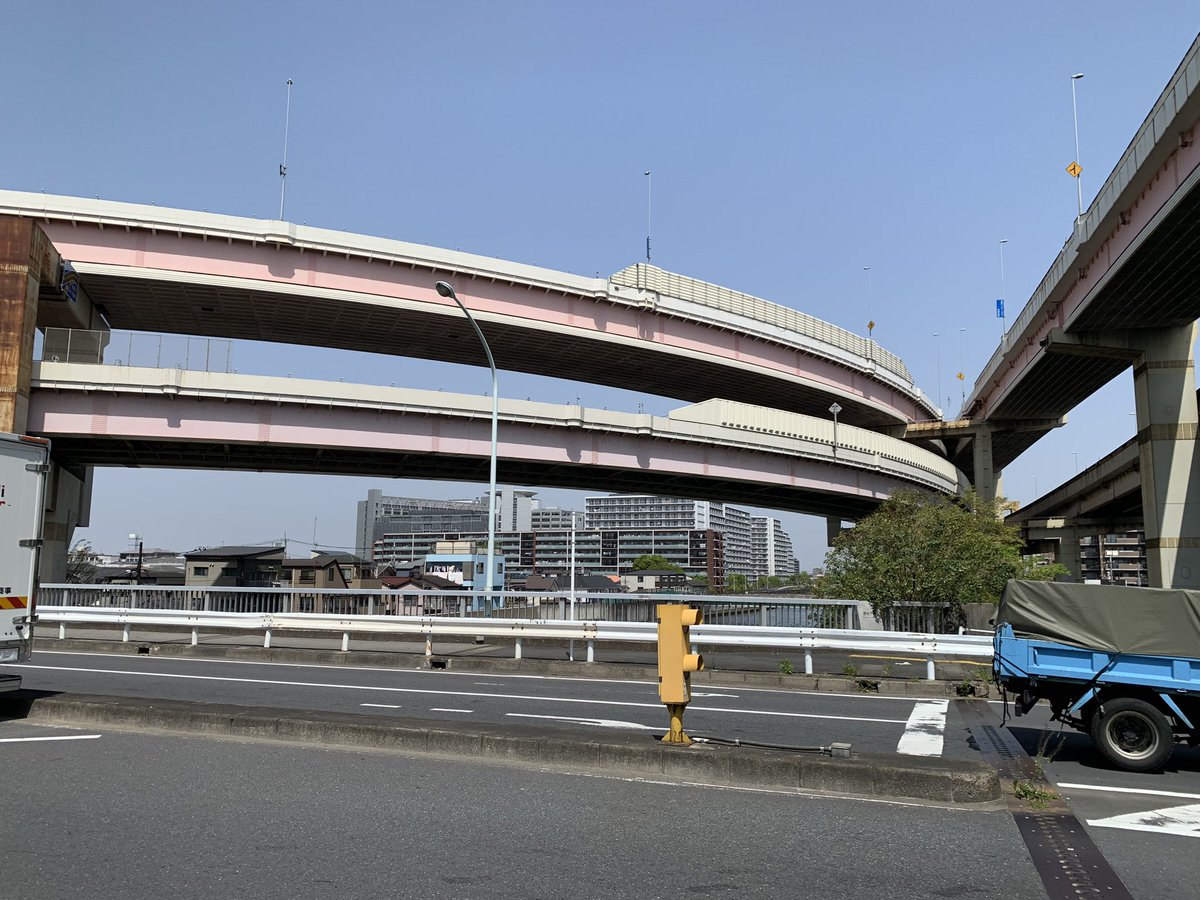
(409, 538)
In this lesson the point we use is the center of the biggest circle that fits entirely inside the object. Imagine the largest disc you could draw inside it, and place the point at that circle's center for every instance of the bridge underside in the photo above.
(77, 453)
(278, 317)
(1156, 284)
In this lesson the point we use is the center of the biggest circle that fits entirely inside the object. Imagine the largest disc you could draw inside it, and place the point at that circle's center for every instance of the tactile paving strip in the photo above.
(1069, 863)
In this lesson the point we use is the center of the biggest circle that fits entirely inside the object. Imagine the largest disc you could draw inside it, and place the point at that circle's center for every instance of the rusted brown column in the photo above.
(27, 258)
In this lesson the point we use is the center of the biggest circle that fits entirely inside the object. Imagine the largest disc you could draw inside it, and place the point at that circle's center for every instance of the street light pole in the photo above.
(962, 372)
(835, 409)
(938, 345)
(445, 290)
(649, 184)
(1003, 287)
(1075, 117)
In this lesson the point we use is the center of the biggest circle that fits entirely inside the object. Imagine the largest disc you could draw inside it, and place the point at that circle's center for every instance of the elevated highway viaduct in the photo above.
(1121, 294)
(85, 266)
(105, 415)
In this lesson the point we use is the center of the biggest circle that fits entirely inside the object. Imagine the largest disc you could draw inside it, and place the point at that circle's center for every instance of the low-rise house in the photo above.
(234, 566)
(329, 571)
(655, 581)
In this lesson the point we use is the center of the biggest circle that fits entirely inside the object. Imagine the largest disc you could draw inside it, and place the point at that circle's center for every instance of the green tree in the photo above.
(802, 580)
(654, 561)
(736, 584)
(930, 549)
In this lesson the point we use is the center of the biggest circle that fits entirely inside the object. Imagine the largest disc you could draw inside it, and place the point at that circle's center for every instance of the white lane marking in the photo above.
(383, 705)
(489, 683)
(444, 709)
(63, 737)
(699, 694)
(400, 690)
(449, 673)
(600, 723)
(1181, 820)
(1124, 790)
(925, 729)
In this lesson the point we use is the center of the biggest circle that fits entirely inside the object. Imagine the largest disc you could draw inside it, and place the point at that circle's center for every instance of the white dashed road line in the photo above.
(60, 737)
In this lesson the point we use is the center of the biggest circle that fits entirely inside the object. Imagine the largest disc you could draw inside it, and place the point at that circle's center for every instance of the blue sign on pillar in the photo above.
(999, 309)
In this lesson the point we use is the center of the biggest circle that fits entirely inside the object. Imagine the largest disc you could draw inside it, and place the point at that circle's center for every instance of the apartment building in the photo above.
(1114, 559)
(699, 552)
(378, 515)
(753, 545)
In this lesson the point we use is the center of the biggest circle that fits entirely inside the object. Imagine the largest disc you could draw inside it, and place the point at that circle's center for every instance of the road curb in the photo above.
(635, 755)
(393, 659)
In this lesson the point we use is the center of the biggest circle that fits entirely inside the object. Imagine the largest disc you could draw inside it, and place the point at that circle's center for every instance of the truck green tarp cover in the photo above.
(1105, 617)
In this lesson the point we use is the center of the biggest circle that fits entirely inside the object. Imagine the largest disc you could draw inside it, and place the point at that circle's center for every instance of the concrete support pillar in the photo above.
(1164, 383)
(68, 506)
(1068, 552)
(26, 259)
(987, 477)
(833, 527)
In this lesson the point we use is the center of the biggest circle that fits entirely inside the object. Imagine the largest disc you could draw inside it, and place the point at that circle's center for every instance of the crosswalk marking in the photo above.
(1179, 820)
(924, 732)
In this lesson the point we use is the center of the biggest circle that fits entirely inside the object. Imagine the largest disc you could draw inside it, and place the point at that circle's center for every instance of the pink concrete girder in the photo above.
(187, 283)
(105, 428)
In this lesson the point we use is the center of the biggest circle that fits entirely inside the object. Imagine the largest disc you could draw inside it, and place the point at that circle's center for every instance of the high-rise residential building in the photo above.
(379, 515)
(772, 548)
(549, 518)
(622, 511)
(698, 552)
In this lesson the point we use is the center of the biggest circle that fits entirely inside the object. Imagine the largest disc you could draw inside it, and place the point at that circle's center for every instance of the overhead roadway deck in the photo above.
(175, 271)
(106, 415)
(1132, 262)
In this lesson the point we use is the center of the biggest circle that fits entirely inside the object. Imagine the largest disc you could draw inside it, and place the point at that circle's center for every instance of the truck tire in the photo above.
(1133, 734)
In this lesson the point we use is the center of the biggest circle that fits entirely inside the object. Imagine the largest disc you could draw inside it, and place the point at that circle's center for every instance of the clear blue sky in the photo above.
(791, 144)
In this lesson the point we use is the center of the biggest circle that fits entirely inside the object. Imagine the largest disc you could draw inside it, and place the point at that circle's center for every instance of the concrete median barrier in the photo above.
(634, 755)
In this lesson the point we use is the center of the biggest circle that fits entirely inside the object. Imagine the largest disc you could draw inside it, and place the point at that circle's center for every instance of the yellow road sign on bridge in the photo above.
(1074, 169)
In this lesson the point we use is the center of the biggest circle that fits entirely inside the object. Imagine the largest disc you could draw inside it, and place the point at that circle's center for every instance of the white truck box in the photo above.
(24, 467)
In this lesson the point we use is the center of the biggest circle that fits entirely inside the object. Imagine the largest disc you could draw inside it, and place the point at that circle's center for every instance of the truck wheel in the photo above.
(1132, 734)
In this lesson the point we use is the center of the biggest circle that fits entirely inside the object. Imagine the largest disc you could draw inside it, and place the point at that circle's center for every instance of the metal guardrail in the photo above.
(525, 605)
(591, 631)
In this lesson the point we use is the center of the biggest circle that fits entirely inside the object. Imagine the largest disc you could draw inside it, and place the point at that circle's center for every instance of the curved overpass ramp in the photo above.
(152, 269)
(119, 416)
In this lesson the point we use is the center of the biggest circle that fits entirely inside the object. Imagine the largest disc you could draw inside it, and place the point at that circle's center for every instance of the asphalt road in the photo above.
(1144, 823)
(591, 706)
(125, 815)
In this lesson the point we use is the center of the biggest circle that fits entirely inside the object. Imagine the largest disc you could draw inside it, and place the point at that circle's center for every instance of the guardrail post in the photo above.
(762, 615)
(345, 641)
(371, 605)
(195, 636)
(207, 602)
(518, 650)
(267, 639)
(125, 633)
(591, 653)
(62, 631)
(429, 645)
(930, 674)
(808, 668)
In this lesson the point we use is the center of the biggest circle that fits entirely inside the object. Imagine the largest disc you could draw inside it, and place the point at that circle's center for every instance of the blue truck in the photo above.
(1119, 663)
